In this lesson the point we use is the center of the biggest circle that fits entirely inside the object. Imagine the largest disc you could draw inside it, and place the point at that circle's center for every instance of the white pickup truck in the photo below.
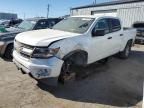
(77, 40)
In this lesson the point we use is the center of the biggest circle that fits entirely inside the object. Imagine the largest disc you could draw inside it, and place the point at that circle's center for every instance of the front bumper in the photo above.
(38, 68)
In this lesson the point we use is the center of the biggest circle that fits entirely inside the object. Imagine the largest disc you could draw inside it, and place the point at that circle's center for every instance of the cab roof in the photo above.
(95, 16)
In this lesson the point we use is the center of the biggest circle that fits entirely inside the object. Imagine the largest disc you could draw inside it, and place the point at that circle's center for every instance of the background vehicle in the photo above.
(7, 37)
(11, 23)
(140, 32)
(75, 41)
(2, 27)
(3, 21)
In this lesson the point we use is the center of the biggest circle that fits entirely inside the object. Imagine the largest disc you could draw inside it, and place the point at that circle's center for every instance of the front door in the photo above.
(100, 45)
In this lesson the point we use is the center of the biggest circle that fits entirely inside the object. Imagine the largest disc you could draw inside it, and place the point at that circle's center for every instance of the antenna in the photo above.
(48, 6)
(95, 2)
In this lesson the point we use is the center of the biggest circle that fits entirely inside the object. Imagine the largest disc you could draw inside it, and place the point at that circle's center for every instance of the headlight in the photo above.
(45, 52)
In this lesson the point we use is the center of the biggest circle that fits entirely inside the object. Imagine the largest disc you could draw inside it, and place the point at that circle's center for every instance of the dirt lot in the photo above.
(117, 84)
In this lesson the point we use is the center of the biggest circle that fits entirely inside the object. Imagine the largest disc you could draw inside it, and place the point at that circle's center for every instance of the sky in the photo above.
(38, 8)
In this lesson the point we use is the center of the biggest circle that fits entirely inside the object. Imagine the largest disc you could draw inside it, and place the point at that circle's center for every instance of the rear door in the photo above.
(116, 34)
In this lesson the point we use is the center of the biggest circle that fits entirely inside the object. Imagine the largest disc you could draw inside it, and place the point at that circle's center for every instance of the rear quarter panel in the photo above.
(129, 34)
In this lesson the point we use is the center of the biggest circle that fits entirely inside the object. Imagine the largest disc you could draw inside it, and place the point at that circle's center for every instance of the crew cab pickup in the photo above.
(75, 41)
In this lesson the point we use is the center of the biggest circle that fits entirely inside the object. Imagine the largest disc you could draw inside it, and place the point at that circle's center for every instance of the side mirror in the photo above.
(100, 32)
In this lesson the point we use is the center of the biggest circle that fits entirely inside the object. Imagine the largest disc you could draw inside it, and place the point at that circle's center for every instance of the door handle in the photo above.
(121, 34)
(109, 37)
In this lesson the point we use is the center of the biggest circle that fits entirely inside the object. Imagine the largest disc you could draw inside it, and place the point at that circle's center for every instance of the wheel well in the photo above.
(8, 45)
(78, 57)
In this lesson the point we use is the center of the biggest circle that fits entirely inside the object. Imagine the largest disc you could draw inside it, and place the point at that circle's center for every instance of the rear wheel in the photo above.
(8, 52)
(125, 54)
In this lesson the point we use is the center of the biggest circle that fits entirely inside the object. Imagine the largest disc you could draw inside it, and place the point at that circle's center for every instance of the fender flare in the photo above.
(83, 55)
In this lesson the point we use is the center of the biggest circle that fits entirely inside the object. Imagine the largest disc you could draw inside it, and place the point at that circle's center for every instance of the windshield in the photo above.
(27, 25)
(74, 24)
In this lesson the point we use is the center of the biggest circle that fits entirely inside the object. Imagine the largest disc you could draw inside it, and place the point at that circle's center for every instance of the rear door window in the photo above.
(115, 25)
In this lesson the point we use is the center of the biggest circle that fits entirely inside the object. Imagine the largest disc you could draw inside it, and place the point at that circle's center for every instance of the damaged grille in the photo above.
(21, 49)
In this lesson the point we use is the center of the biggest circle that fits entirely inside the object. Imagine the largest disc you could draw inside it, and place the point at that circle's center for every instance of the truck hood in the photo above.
(43, 37)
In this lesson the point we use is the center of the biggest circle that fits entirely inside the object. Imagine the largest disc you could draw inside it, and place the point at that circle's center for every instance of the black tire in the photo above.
(61, 79)
(65, 71)
(8, 52)
(125, 54)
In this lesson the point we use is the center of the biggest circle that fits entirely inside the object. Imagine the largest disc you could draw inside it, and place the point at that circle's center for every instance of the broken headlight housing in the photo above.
(45, 52)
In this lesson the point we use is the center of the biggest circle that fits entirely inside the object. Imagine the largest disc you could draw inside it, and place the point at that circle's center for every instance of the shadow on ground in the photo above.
(118, 83)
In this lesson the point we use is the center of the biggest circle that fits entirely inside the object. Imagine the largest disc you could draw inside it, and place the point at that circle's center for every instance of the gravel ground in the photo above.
(117, 84)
